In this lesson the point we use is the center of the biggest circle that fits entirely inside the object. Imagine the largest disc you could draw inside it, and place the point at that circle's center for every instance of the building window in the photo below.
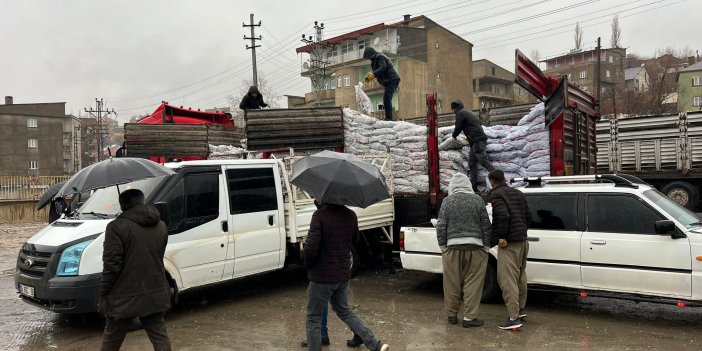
(331, 53)
(346, 48)
(608, 74)
(696, 81)
(339, 83)
(347, 81)
(611, 59)
(362, 45)
(33, 164)
(697, 101)
(493, 71)
(32, 122)
(32, 143)
(583, 74)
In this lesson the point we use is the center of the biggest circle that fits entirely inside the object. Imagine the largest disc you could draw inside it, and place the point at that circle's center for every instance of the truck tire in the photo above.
(683, 193)
(491, 289)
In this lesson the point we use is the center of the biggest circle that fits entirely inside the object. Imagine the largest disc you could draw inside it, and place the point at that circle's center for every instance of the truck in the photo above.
(226, 219)
(663, 150)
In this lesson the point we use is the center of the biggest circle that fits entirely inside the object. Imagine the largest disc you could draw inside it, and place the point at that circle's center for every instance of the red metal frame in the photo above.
(432, 150)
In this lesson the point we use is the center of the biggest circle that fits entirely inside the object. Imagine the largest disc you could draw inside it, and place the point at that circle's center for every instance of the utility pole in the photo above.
(318, 63)
(598, 74)
(253, 46)
(99, 113)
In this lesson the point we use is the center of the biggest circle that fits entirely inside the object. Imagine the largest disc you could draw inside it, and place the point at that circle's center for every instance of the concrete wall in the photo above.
(14, 135)
(22, 211)
(449, 69)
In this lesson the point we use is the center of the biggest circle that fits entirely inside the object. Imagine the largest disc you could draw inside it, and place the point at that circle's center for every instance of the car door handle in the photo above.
(598, 242)
(270, 220)
(225, 226)
(531, 238)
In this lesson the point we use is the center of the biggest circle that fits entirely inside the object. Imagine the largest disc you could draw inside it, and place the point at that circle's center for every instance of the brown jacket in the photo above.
(510, 214)
(327, 249)
(133, 276)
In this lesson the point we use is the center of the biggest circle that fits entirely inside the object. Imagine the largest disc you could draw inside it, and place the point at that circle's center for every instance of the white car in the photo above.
(604, 235)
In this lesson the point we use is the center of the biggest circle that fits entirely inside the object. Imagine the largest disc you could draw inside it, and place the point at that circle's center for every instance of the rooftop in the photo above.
(631, 73)
(696, 67)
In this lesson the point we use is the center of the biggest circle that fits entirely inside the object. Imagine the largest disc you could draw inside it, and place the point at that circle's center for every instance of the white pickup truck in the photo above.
(226, 219)
(604, 235)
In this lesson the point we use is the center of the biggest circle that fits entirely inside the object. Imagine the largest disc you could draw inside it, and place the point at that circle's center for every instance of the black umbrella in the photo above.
(49, 195)
(113, 171)
(341, 179)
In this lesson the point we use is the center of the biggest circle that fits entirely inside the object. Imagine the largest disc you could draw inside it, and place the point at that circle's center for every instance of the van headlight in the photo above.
(70, 259)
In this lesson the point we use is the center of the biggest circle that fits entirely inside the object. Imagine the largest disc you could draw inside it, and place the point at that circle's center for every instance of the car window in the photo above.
(251, 190)
(193, 201)
(611, 213)
(553, 211)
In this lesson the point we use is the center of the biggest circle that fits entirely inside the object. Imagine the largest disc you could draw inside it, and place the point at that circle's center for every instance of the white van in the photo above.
(226, 219)
(605, 235)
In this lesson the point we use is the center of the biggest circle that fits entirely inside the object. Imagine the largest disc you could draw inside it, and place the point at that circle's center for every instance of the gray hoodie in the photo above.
(463, 219)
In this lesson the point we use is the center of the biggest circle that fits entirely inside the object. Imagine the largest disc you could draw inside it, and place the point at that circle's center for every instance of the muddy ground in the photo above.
(404, 309)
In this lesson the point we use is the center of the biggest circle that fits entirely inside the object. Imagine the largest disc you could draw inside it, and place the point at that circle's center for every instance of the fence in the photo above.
(26, 187)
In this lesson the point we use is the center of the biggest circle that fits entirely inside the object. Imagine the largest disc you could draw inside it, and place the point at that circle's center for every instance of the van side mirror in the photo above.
(162, 208)
(666, 227)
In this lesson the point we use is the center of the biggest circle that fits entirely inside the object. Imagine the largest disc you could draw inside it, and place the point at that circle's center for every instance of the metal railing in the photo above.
(26, 187)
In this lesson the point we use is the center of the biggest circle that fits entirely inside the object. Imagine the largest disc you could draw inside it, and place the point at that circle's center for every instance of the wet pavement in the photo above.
(404, 309)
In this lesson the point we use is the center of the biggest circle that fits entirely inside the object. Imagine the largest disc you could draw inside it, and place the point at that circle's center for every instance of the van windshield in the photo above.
(104, 203)
(680, 213)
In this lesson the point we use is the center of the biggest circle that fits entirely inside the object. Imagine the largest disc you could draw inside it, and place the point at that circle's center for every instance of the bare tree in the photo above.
(578, 36)
(616, 32)
(270, 96)
(535, 56)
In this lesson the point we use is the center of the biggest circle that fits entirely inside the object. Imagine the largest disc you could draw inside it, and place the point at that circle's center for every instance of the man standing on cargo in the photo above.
(510, 220)
(385, 73)
(463, 232)
(133, 276)
(326, 254)
(468, 123)
(253, 100)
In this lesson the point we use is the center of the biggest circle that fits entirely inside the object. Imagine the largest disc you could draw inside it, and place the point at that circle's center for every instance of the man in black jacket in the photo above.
(133, 276)
(386, 75)
(328, 263)
(468, 123)
(252, 100)
(510, 220)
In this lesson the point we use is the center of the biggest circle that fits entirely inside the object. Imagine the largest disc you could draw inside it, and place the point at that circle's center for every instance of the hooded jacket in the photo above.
(133, 277)
(333, 229)
(510, 214)
(248, 102)
(468, 123)
(463, 218)
(382, 67)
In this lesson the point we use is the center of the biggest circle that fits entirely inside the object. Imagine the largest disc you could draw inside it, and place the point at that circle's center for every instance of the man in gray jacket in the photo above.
(463, 231)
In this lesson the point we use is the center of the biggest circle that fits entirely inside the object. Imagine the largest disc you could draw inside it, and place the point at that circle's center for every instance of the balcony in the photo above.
(327, 95)
(353, 58)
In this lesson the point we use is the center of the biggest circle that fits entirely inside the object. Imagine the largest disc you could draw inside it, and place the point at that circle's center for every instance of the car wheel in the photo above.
(683, 193)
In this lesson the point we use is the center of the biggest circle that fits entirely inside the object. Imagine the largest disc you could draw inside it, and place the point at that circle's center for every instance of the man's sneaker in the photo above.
(510, 324)
(384, 347)
(355, 342)
(472, 323)
(453, 320)
(522, 313)
(325, 342)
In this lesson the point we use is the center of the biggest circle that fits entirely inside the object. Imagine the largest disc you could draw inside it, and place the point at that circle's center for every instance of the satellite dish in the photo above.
(376, 41)
(305, 65)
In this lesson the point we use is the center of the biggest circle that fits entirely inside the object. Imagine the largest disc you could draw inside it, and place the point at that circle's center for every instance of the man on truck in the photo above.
(386, 75)
(468, 123)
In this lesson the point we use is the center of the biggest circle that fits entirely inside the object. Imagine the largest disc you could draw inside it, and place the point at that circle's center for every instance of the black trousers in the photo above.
(154, 325)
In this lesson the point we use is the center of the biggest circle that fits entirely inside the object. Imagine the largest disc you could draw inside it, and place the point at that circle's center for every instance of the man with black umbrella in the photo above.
(326, 253)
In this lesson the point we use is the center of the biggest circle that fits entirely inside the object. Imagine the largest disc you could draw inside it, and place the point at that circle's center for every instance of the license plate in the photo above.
(26, 290)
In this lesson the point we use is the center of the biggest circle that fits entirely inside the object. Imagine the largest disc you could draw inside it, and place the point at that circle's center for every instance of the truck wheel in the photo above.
(683, 193)
(491, 289)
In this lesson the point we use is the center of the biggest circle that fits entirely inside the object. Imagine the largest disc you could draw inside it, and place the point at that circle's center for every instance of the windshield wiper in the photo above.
(98, 215)
(695, 223)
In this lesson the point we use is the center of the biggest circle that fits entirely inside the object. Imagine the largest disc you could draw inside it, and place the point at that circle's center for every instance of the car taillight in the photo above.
(402, 240)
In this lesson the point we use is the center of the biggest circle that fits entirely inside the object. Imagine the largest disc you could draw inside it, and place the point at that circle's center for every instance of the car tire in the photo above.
(173, 289)
(683, 193)
(491, 289)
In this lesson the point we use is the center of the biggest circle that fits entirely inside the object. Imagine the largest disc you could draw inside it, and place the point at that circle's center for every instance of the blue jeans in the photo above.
(319, 295)
(387, 98)
(323, 322)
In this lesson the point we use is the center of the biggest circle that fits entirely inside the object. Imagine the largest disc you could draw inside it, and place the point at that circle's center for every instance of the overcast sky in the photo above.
(135, 54)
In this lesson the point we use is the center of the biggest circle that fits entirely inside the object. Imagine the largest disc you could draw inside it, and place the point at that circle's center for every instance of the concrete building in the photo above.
(581, 68)
(636, 79)
(690, 88)
(32, 139)
(71, 145)
(494, 86)
(427, 56)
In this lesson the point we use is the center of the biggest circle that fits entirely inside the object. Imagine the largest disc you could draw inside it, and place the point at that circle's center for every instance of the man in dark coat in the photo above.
(510, 220)
(133, 276)
(328, 263)
(252, 100)
(386, 75)
(468, 123)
